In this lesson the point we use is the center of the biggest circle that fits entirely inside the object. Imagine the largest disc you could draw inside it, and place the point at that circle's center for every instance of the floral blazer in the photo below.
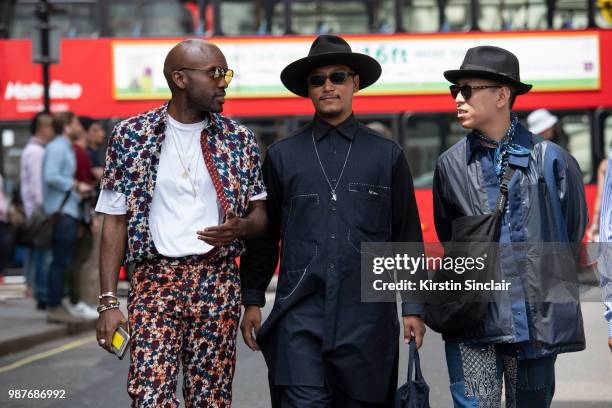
(231, 155)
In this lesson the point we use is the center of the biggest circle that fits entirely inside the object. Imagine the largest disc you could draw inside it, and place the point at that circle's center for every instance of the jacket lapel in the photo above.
(219, 159)
(156, 136)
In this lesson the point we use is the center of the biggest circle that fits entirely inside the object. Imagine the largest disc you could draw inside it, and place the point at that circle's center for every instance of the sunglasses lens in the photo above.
(317, 80)
(338, 77)
(466, 91)
(229, 74)
(454, 90)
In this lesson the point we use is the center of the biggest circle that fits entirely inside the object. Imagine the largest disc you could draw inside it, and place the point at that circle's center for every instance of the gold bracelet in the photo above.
(107, 295)
(109, 302)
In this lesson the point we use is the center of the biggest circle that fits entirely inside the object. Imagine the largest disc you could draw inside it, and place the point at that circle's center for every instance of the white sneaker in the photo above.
(81, 310)
(85, 311)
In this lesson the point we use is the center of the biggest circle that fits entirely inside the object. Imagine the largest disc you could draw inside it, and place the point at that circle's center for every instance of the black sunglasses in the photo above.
(467, 90)
(336, 78)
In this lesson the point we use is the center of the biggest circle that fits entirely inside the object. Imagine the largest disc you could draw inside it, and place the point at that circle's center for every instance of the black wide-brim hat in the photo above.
(329, 50)
(493, 63)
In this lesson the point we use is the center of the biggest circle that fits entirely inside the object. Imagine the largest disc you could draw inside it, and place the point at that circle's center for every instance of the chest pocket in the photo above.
(371, 208)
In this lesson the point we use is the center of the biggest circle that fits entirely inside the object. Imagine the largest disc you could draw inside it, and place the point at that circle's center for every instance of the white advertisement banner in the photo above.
(410, 64)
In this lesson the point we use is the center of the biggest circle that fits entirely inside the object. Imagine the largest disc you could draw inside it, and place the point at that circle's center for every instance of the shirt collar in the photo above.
(522, 137)
(213, 121)
(36, 140)
(321, 128)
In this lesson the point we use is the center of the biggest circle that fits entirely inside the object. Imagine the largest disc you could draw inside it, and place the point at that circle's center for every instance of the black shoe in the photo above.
(41, 305)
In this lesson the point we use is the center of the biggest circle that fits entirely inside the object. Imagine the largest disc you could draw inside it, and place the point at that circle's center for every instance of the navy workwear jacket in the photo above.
(546, 203)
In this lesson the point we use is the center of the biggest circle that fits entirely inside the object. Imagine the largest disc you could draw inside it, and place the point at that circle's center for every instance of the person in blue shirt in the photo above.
(605, 235)
(61, 194)
(524, 330)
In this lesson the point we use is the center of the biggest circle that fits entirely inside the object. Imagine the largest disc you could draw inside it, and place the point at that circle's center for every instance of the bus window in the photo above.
(422, 139)
(148, 18)
(421, 16)
(512, 15)
(72, 18)
(245, 17)
(347, 16)
(577, 127)
(166, 18)
(603, 13)
(384, 17)
(570, 14)
(607, 134)
(267, 130)
(458, 15)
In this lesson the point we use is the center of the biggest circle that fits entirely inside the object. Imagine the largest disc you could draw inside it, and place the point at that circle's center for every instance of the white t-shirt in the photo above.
(176, 214)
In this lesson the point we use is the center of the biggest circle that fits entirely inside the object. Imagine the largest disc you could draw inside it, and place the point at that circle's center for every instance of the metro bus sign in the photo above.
(34, 90)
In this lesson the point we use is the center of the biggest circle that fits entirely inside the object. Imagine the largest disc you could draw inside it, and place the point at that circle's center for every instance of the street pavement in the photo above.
(92, 378)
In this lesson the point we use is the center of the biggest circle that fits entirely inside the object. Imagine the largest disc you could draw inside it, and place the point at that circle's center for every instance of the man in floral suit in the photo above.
(182, 187)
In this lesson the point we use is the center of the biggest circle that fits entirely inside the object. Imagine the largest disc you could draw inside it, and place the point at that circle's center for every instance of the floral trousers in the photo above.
(183, 311)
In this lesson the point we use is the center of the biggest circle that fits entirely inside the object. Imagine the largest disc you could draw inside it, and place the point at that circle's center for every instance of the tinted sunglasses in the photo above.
(467, 90)
(336, 78)
(215, 73)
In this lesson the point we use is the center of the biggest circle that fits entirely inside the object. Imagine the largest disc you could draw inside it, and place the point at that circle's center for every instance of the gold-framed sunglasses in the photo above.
(216, 73)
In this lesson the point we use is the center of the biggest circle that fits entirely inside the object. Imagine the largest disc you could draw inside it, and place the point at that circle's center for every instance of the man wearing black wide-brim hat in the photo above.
(331, 186)
(533, 189)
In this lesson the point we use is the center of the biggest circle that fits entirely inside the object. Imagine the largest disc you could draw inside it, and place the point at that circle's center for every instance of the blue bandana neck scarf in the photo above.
(504, 147)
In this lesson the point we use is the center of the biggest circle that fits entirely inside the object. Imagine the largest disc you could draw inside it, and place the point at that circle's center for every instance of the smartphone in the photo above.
(120, 342)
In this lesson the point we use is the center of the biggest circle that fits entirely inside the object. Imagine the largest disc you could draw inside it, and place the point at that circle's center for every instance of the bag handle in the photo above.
(66, 197)
(414, 361)
(503, 189)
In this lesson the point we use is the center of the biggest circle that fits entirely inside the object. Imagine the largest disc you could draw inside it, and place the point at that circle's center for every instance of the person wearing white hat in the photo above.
(541, 122)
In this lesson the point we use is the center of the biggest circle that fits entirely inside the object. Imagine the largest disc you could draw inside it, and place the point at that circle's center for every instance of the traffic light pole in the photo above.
(43, 18)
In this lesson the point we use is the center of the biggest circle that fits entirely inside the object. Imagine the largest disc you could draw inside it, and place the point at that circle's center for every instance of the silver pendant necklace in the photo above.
(187, 169)
(332, 189)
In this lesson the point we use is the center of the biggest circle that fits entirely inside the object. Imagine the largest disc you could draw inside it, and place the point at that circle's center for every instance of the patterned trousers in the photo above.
(183, 311)
(477, 372)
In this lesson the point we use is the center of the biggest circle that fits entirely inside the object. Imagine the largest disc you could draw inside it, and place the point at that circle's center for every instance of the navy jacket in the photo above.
(546, 203)
(318, 330)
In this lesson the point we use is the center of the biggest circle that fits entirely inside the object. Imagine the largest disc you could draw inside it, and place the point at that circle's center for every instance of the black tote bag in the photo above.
(415, 392)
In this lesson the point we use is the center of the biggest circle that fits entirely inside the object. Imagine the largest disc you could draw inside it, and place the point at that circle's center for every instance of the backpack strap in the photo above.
(503, 189)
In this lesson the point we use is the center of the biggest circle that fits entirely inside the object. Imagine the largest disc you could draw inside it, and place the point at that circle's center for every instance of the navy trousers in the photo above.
(316, 397)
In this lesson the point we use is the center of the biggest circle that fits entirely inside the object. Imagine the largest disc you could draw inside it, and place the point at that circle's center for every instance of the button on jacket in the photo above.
(319, 332)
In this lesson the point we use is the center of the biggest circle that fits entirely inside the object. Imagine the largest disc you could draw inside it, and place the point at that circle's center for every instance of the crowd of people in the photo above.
(60, 168)
(211, 200)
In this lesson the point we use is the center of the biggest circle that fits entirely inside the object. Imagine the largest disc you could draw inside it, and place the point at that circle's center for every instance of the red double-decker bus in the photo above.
(111, 55)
